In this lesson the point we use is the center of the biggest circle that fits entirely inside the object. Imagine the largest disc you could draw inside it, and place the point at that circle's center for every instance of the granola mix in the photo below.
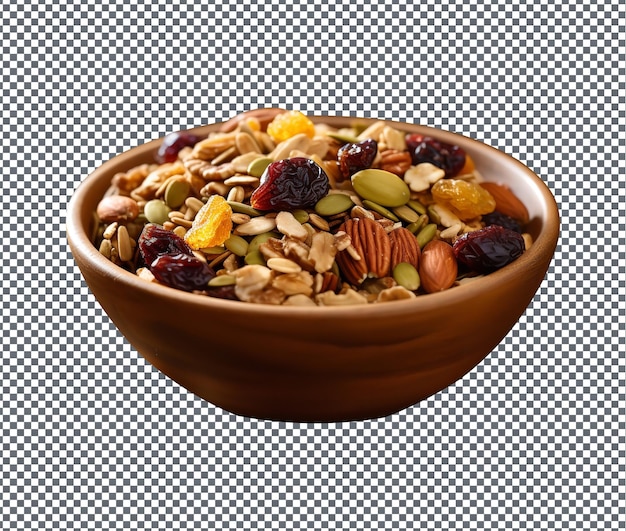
(275, 209)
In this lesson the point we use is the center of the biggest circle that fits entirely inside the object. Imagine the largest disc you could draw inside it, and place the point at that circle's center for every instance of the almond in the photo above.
(117, 208)
(373, 250)
(404, 247)
(506, 201)
(438, 267)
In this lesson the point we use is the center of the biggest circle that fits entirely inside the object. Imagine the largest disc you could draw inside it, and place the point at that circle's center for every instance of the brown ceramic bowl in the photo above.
(327, 363)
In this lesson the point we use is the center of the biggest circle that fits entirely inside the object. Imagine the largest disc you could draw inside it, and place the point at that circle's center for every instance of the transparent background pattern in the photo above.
(95, 438)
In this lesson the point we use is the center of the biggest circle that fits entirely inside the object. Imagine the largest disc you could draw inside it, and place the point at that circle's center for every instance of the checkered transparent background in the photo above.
(94, 438)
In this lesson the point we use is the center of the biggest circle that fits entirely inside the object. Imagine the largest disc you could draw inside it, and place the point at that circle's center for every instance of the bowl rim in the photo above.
(82, 246)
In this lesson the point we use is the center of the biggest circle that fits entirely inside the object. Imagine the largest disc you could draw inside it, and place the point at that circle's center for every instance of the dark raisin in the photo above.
(172, 144)
(488, 249)
(155, 241)
(497, 218)
(181, 271)
(290, 184)
(356, 157)
(448, 157)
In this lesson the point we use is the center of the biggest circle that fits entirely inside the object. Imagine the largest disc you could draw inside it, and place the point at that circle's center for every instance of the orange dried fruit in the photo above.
(466, 199)
(212, 225)
(290, 124)
(468, 167)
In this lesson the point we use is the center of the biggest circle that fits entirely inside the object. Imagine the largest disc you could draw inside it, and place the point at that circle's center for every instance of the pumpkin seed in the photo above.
(426, 234)
(211, 251)
(222, 280)
(242, 208)
(301, 215)
(406, 214)
(176, 193)
(380, 209)
(381, 187)
(433, 214)
(258, 166)
(332, 204)
(236, 245)
(262, 238)
(254, 258)
(418, 225)
(156, 211)
(407, 276)
(417, 206)
(343, 136)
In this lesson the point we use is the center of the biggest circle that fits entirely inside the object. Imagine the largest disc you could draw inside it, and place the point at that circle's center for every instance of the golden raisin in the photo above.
(212, 225)
(290, 124)
(466, 199)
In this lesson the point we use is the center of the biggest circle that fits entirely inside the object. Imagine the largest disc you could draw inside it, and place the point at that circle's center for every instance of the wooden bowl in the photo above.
(327, 363)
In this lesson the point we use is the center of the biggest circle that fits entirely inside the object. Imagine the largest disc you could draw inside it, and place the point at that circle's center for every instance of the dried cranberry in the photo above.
(172, 144)
(448, 157)
(290, 184)
(181, 271)
(488, 249)
(413, 140)
(155, 241)
(356, 157)
(498, 218)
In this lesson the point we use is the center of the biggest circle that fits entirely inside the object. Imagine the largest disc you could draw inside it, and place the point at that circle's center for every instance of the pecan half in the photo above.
(372, 245)
(404, 247)
(394, 161)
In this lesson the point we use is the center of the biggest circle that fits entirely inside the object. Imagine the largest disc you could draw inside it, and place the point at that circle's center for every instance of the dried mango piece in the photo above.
(212, 225)
(290, 124)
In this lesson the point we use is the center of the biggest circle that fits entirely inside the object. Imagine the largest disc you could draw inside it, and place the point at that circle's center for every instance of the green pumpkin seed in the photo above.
(433, 214)
(333, 204)
(426, 234)
(407, 276)
(418, 225)
(417, 206)
(301, 215)
(254, 258)
(346, 137)
(176, 193)
(236, 245)
(222, 280)
(380, 209)
(214, 251)
(258, 166)
(381, 187)
(156, 211)
(242, 208)
(406, 214)
(262, 238)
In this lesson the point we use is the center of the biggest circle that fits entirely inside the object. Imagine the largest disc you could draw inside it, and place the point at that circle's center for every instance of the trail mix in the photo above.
(276, 209)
